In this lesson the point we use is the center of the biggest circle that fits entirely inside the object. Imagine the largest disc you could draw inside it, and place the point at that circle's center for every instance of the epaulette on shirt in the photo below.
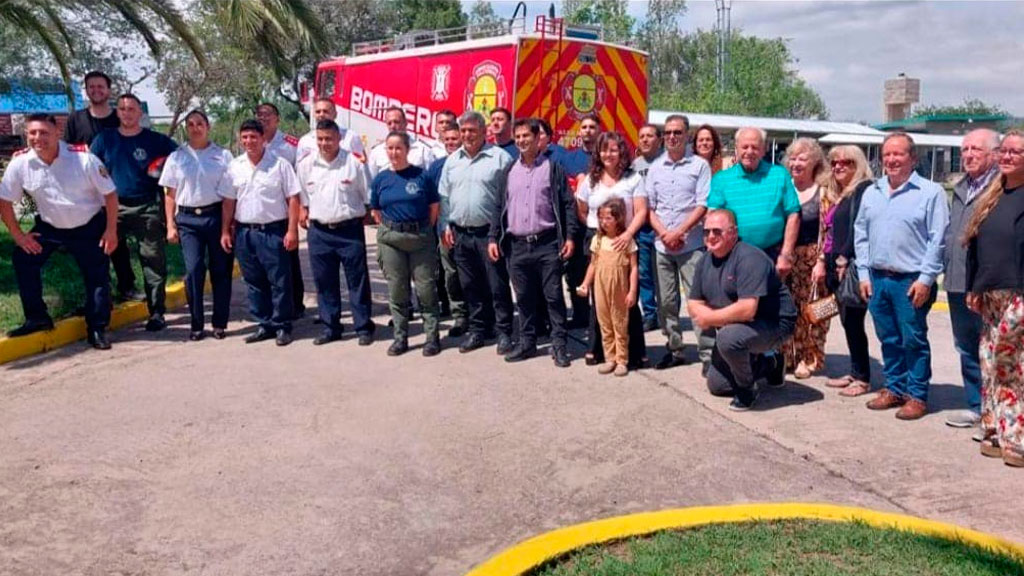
(359, 156)
(291, 139)
(78, 147)
(20, 152)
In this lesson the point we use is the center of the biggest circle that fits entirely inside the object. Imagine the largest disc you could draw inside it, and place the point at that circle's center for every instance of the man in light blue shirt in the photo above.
(677, 192)
(471, 187)
(899, 238)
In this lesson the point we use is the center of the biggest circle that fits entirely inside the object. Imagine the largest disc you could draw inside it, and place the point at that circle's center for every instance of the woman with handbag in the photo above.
(850, 176)
(805, 351)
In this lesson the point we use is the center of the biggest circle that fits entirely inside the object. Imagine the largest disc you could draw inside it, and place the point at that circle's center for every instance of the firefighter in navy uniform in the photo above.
(287, 147)
(77, 210)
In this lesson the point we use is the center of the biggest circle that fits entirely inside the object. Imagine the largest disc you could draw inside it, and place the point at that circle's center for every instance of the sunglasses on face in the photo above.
(674, 132)
(842, 163)
(716, 232)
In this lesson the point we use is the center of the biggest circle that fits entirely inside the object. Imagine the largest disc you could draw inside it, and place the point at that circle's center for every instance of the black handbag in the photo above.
(848, 292)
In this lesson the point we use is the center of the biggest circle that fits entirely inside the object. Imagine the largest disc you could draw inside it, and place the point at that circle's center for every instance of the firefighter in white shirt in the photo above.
(444, 121)
(419, 153)
(335, 190)
(263, 202)
(285, 146)
(324, 109)
(77, 210)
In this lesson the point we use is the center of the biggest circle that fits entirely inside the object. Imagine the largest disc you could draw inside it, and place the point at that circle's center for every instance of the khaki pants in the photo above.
(405, 257)
(673, 271)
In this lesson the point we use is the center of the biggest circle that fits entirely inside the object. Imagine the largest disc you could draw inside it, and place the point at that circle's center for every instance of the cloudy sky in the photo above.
(846, 50)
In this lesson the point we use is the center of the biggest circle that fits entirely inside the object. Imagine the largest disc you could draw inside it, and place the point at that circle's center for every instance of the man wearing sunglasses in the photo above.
(738, 296)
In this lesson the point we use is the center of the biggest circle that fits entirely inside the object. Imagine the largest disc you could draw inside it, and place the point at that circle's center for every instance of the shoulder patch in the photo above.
(20, 152)
(78, 147)
(291, 139)
(359, 156)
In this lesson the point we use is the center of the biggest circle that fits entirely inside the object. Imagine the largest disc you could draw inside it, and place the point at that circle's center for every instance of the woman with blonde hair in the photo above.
(805, 351)
(995, 289)
(840, 201)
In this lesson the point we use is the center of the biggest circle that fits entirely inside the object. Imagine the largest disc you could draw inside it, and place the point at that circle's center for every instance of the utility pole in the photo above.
(723, 26)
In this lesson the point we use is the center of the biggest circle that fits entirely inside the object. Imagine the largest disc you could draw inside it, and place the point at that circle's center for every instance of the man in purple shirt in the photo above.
(535, 227)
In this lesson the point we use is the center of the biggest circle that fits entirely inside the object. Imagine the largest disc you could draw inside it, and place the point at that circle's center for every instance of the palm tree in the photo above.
(43, 18)
(283, 30)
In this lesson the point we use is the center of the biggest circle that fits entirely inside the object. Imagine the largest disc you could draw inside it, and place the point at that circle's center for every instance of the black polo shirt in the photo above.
(82, 127)
(745, 272)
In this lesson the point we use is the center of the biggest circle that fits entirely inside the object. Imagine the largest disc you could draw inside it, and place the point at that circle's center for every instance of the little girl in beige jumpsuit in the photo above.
(613, 275)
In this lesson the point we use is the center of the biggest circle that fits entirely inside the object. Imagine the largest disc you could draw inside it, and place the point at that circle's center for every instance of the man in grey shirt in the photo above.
(677, 192)
(471, 187)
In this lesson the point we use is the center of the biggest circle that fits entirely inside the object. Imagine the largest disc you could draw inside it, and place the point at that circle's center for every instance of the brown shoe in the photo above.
(1013, 458)
(884, 401)
(912, 410)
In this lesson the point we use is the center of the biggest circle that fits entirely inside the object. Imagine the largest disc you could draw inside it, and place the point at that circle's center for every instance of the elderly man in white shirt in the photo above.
(77, 206)
(335, 191)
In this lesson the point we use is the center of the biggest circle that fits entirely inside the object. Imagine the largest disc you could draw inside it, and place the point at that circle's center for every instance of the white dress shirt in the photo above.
(419, 155)
(349, 141)
(262, 191)
(336, 190)
(284, 145)
(198, 177)
(68, 193)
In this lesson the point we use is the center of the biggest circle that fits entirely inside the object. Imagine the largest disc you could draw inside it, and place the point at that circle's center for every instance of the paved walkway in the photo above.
(170, 457)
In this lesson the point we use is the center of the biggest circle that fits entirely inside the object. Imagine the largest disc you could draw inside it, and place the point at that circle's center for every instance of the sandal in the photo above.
(1013, 458)
(841, 382)
(990, 447)
(855, 388)
(802, 372)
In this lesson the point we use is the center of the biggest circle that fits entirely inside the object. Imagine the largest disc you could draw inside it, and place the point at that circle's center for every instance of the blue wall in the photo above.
(18, 98)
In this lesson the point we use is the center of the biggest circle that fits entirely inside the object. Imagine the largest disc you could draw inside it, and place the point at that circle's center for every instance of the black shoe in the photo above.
(472, 342)
(327, 336)
(561, 356)
(432, 347)
(776, 370)
(744, 399)
(299, 312)
(505, 345)
(283, 338)
(366, 338)
(670, 360)
(650, 324)
(98, 340)
(591, 361)
(259, 335)
(458, 330)
(398, 347)
(156, 323)
(31, 328)
(196, 335)
(132, 295)
(522, 352)
(704, 367)
(220, 333)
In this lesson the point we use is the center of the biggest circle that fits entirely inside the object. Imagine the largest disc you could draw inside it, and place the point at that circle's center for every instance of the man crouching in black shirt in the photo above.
(737, 294)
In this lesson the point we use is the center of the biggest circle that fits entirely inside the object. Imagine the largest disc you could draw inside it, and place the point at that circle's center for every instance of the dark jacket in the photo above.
(566, 222)
(956, 253)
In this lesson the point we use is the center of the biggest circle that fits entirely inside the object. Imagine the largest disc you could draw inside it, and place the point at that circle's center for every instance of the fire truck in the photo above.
(556, 72)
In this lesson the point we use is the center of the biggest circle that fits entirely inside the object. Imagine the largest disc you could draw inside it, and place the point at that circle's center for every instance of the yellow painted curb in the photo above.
(941, 306)
(533, 553)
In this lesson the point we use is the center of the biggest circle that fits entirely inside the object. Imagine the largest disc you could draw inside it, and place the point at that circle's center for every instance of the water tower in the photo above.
(900, 94)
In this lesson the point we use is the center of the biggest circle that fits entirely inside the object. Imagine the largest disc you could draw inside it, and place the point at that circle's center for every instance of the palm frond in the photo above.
(170, 15)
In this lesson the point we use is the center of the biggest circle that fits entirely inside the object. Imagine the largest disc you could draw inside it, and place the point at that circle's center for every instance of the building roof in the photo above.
(928, 140)
(921, 120)
(787, 125)
(22, 98)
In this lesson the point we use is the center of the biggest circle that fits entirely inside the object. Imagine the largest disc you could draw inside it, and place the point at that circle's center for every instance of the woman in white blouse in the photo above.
(612, 177)
(196, 179)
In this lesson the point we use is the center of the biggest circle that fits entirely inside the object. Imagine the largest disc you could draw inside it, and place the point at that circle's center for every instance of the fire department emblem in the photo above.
(440, 82)
(486, 88)
(583, 93)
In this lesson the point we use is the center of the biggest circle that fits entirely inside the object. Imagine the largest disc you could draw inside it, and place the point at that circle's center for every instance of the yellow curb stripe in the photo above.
(940, 306)
(532, 553)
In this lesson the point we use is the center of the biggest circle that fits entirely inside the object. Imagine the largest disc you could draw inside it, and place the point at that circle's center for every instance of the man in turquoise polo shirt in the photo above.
(763, 198)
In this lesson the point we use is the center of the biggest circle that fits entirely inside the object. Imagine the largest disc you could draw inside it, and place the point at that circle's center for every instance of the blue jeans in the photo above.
(647, 283)
(903, 332)
(966, 340)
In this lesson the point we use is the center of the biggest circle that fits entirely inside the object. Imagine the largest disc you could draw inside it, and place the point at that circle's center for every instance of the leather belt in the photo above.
(200, 210)
(337, 225)
(542, 237)
(409, 227)
(265, 226)
(472, 230)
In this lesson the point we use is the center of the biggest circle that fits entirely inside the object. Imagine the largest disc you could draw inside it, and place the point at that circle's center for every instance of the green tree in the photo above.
(660, 36)
(969, 107)
(428, 14)
(611, 15)
(762, 80)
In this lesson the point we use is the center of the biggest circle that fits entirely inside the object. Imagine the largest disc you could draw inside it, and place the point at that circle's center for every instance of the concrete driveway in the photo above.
(171, 457)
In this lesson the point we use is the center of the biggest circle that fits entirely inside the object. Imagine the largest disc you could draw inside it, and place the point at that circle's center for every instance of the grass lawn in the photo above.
(62, 282)
(784, 548)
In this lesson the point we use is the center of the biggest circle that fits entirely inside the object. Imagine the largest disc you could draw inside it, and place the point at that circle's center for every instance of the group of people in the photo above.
(495, 206)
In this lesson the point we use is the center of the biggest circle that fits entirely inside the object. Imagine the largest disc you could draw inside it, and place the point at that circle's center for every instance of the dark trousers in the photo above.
(146, 224)
(852, 318)
(330, 251)
(967, 327)
(485, 284)
(298, 287)
(83, 244)
(647, 281)
(575, 271)
(536, 270)
(737, 360)
(635, 328)
(200, 246)
(267, 274)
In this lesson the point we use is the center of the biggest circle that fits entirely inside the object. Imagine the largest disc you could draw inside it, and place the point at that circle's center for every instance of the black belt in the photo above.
(542, 237)
(266, 226)
(136, 201)
(409, 227)
(891, 273)
(472, 230)
(336, 225)
(200, 210)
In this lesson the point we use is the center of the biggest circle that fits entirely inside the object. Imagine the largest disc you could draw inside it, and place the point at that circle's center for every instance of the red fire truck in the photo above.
(555, 72)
